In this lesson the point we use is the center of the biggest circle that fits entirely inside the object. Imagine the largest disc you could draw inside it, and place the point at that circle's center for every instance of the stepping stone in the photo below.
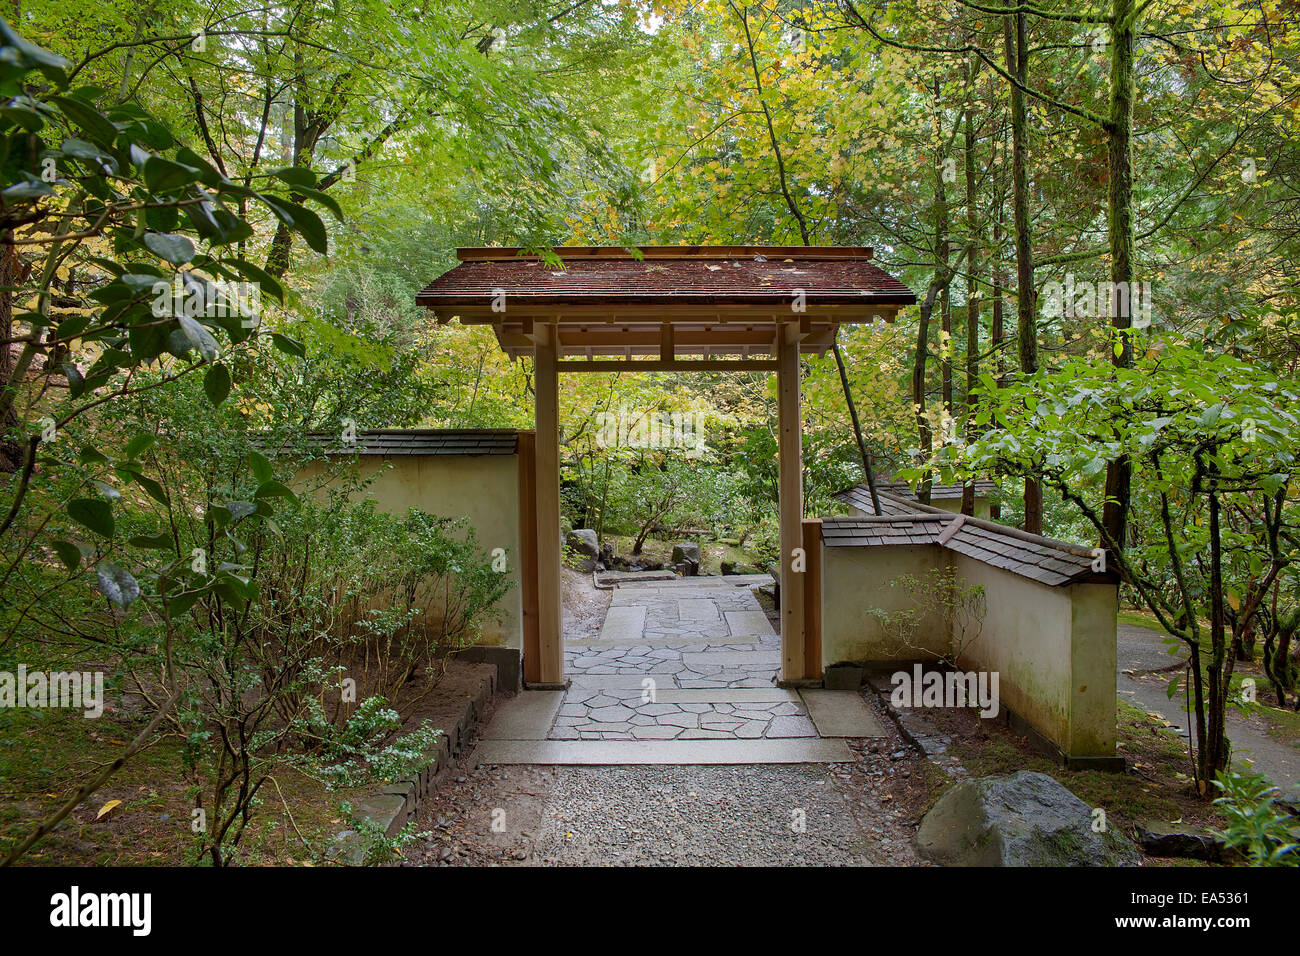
(611, 715)
(741, 696)
(586, 682)
(526, 716)
(727, 726)
(748, 622)
(841, 713)
(658, 709)
(697, 610)
(643, 752)
(624, 624)
(731, 659)
(791, 727)
(680, 720)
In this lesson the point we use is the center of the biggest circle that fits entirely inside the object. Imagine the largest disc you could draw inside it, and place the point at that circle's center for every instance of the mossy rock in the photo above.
(1024, 819)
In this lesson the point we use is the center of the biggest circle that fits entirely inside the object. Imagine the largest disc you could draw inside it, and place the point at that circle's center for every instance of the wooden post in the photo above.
(550, 649)
(528, 555)
(812, 593)
(790, 449)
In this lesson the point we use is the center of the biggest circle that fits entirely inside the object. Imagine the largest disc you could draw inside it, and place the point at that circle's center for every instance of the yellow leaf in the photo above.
(107, 808)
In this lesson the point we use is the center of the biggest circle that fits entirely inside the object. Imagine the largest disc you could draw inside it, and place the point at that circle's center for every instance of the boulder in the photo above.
(1024, 819)
(584, 544)
(686, 552)
(1179, 840)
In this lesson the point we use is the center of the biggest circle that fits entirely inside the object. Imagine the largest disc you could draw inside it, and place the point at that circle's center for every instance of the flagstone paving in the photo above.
(664, 637)
(680, 662)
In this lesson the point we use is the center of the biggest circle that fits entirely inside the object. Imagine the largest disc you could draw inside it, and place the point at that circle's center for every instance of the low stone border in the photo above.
(917, 731)
(396, 804)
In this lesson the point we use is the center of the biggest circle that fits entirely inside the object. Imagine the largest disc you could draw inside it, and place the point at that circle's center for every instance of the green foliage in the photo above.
(1262, 832)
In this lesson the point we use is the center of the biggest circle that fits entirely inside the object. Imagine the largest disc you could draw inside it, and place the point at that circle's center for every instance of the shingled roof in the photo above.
(859, 495)
(696, 274)
(420, 441)
(1050, 562)
(666, 301)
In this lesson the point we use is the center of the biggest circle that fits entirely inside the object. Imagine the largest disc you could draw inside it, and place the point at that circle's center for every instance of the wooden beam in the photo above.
(610, 311)
(658, 365)
(527, 561)
(812, 596)
(790, 472)
(550, 649)
(773, 253)
(667, 351)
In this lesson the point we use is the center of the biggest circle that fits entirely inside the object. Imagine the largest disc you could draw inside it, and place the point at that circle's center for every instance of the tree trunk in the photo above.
(973, 241)
(1119, 473)
(1017, 56)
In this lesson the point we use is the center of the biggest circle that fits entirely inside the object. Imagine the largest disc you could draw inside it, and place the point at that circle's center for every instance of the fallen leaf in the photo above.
(107, 808)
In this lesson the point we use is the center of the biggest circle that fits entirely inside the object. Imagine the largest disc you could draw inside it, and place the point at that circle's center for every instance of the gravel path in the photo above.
(848, 815)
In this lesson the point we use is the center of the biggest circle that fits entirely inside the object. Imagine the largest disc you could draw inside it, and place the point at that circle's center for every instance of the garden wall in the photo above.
(1048, 632)
(437, 478)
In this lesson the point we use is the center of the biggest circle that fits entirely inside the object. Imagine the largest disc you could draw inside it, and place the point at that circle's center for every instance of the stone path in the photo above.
(677, 662)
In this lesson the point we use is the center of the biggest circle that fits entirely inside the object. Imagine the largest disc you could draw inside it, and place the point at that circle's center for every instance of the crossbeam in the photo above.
(676, 365)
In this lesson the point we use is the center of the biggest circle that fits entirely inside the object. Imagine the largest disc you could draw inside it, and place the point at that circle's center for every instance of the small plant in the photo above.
(1257, 829)
(942, 593)
(377, 846)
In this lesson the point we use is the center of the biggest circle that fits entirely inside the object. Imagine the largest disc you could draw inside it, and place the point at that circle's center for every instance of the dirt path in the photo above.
(1142, 650)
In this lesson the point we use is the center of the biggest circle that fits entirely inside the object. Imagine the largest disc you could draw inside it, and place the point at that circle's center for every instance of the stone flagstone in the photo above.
(841, 713)
(526, 716)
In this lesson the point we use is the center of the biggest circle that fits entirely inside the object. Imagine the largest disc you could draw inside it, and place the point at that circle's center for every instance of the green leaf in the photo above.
(88, 117)
(260, 466)
(94, 514)
(270, 285)
(165, 176)
(139, 444)
(182, 602)
(274, 489)
(158, 542)
(199, 337)
(324, 199)
(296, 176)
(155, 490)
(117, 584)
(288, 345)
(173, 247)
(68, 553)
(300, 219)
(216, 384)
